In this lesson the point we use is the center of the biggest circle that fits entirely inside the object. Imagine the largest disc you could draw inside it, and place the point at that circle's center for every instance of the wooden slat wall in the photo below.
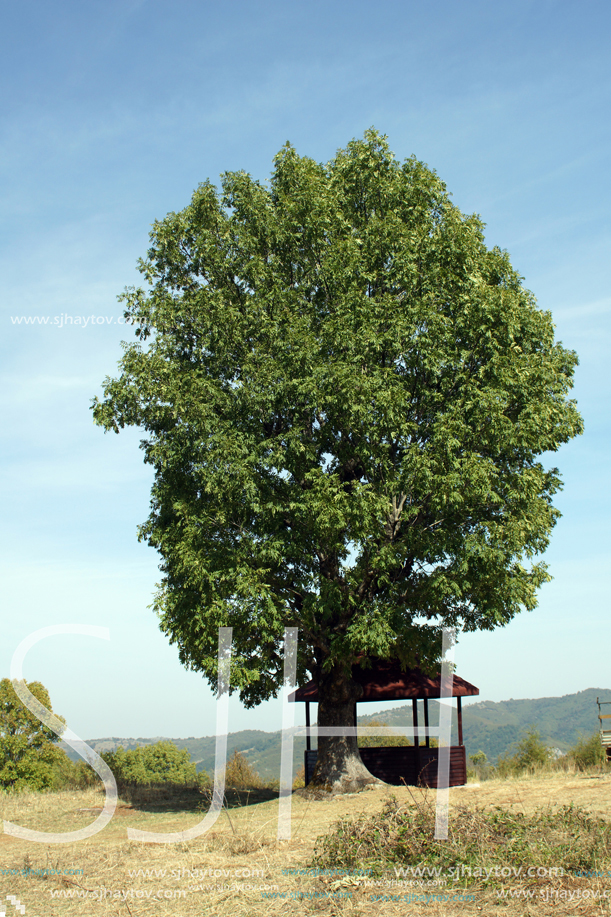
(407, 764)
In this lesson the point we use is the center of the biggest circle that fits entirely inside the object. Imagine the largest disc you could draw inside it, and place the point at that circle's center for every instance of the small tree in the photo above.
(29, 755)
(479, 766)
(161, 763)
(531, 752)
(588, 752)
(240, 774)
(345, 395)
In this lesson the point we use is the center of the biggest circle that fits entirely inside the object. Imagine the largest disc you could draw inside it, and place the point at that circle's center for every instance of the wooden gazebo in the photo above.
(414, 765)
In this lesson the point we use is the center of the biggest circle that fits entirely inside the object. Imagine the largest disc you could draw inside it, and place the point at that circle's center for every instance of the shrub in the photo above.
(478, 767)
(588, 752)
(76, 775)
(299, 781)
(84, 776)
(386, 741)
(204, 781)
(505, 767)
(240, 774)
(63, 773)
(389, 741)
(571, 838)
(29, 756)
(161, 763)
(479, 758)
(531, 752)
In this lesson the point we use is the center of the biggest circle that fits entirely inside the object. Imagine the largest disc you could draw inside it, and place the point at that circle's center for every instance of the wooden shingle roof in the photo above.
(386, 680)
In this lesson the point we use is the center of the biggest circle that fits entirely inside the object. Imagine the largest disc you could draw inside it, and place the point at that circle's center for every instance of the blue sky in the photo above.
(112, 113)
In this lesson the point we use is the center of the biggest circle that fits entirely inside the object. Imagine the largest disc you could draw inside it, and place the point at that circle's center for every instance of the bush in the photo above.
(478, 767)
(530, 755)
(63, 773)
(74, 775)
(204, 781)
(85, 776)
(159, 764)
(588, 752)
(571, 838)
(531, 752)
(240, 774)
(299, 781)
(505, 767)
(387, 741)
(29, 756)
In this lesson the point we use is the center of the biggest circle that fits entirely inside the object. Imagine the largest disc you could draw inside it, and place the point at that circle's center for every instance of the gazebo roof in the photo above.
(386, 680)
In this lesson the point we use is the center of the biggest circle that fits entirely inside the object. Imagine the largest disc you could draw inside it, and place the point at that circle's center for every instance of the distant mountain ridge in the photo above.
(493, 726)
(488, 726)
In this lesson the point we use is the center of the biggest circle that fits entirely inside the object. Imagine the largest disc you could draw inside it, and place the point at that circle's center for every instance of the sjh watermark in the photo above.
(67, 321)
(289, 731)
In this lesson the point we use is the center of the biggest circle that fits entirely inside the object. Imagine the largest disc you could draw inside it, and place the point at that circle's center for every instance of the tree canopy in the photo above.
(161, 763)
(346, 397)
(29, 755)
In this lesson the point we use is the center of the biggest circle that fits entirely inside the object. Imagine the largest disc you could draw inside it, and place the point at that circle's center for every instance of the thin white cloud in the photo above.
(596, 308)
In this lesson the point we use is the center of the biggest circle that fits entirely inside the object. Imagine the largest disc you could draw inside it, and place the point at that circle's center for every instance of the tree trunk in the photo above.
(339, 768)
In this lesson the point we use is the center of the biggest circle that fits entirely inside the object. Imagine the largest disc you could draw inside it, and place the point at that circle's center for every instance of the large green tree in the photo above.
(29, 755)
(345, 396)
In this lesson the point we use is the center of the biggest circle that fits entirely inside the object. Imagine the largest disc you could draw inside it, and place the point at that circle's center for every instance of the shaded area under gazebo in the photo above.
(413, 765)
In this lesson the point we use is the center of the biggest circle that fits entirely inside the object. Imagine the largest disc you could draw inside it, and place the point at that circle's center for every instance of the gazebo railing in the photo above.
(605, 726)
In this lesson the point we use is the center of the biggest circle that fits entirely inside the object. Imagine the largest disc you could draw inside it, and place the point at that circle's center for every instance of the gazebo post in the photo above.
(415, 721)
(308, 743)
(459, 712)
(427, 740)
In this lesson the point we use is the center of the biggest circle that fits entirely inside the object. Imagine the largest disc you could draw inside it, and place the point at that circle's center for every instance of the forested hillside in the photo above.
(488, 726)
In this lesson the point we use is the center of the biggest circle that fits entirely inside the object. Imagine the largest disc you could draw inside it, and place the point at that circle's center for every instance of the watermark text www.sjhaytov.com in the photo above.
(37, 873)
(185, 873)
(66, 321)
(103, 893)
(553, 894)
(462, 871)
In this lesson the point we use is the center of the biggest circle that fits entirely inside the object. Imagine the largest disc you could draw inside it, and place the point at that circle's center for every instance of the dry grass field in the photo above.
(238, 869)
